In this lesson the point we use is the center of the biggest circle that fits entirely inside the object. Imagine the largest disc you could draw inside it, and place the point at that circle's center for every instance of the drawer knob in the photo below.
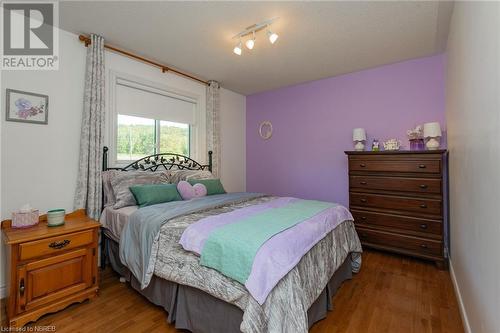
(422, 166)
(363, 218)
(362, 200)
(363, 183)
(423, 206)
(59, 245)
(423, 186)
(362, 165)
(21, 287)
(423, 246)
(423, 226)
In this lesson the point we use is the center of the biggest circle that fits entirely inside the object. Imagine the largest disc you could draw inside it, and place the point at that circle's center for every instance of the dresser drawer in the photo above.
(417, 185)
(404, 223)
(424, 206)
(395, 165)
(394, 241)
(54, 245)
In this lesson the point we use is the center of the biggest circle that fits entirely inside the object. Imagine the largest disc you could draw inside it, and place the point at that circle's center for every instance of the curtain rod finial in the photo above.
(84, 39)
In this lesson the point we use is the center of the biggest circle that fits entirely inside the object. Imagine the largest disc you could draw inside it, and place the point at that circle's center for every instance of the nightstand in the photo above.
(49, 268)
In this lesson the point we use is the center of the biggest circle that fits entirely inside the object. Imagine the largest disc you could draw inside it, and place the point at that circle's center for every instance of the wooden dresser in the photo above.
(49, 268)
(399, 201)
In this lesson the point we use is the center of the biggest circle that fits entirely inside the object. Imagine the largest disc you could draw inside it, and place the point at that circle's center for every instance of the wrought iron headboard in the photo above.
(165, 161)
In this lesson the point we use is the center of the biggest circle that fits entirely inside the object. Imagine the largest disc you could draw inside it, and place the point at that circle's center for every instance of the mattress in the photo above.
(114, 220)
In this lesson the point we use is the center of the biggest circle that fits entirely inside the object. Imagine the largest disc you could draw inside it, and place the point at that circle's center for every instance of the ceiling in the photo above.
(317, 39)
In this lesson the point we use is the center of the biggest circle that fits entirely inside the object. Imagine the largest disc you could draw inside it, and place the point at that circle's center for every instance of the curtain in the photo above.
(89, 184)
(213, 125)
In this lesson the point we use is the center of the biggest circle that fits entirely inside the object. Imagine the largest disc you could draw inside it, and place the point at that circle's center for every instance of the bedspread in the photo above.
(285, 309)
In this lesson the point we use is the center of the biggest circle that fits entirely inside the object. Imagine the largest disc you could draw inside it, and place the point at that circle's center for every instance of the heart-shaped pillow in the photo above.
(188, 191)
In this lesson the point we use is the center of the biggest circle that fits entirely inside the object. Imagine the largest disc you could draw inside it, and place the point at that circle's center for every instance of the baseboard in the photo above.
(3, 291)
(463, 313)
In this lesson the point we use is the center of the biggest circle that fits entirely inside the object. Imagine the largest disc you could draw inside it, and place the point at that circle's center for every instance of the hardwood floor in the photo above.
(390, 294)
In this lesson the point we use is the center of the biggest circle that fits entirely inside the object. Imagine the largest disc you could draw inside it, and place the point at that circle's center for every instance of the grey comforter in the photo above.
(139, 239)
(285, 309)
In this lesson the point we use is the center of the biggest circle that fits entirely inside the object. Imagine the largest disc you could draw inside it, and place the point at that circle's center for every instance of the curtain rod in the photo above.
(163, 68)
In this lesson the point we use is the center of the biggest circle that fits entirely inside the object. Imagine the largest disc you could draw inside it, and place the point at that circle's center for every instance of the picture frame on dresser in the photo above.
(399, 201)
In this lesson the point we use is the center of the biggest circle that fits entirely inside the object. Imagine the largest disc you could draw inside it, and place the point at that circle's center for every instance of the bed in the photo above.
(203, 299)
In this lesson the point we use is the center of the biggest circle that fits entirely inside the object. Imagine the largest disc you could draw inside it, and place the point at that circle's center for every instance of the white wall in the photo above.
(473, 121)
(233, 146)
(39, 162)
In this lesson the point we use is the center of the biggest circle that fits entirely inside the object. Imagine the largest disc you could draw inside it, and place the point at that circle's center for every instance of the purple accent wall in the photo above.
(313, 122)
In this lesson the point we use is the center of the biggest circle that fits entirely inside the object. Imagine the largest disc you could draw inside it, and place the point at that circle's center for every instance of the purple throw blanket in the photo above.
(280, 253)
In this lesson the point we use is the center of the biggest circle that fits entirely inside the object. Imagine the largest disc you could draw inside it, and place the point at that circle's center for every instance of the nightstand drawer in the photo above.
(395, 165)
(416, 185)
(392, 202)
(54, 244)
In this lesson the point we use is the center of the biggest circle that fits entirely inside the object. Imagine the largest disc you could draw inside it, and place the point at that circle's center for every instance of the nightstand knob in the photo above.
(362, 165)
(422, 166)
(423, 205)
(423, 186)
(363, 218)
(21, 287)
(59, 245)
(423, 226)
(423, 246)
(363, 183)
(362, 200)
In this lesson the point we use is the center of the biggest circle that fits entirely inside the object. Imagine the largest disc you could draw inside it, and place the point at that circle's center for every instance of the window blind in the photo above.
(140, 102)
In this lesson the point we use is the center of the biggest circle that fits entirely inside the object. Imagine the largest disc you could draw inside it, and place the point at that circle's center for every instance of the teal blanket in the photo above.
(231, 249)
(143, 229)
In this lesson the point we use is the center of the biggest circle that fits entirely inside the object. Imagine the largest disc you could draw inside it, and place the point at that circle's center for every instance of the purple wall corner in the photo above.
(313, 122)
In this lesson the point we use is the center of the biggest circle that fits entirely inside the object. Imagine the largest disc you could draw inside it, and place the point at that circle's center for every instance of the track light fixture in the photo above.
(251, 42)
(272, 36)
(252, 30)
(237, 48)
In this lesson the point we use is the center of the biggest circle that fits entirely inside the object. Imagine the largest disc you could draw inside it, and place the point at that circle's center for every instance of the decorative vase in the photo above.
(417, 144)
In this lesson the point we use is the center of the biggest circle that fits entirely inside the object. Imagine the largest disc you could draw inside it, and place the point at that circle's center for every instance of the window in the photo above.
(150, 121)
(136, 138)
(139, 137)
(174, 137)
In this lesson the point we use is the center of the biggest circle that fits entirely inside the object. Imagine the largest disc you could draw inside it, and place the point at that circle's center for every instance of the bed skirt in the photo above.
(195, 310)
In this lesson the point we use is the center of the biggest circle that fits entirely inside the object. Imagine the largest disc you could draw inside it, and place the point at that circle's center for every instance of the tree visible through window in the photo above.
(139, 137)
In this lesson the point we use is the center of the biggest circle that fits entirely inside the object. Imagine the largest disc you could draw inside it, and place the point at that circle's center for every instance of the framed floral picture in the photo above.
(26, 107)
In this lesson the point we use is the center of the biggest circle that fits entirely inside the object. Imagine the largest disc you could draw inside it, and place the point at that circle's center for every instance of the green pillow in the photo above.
(152, 194)
(214, 186)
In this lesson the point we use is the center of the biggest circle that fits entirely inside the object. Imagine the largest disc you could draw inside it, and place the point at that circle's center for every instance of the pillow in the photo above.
(188, 191)
(152, 194)
(122, 182)
(214, 186)
(175, 176)
(109, 196)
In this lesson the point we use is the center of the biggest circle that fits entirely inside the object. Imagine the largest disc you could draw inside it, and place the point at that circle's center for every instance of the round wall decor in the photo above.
(266, 130)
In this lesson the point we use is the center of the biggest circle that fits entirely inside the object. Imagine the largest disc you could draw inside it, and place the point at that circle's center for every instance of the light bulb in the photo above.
(237, 49)
(251, 42)
(272, 36)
